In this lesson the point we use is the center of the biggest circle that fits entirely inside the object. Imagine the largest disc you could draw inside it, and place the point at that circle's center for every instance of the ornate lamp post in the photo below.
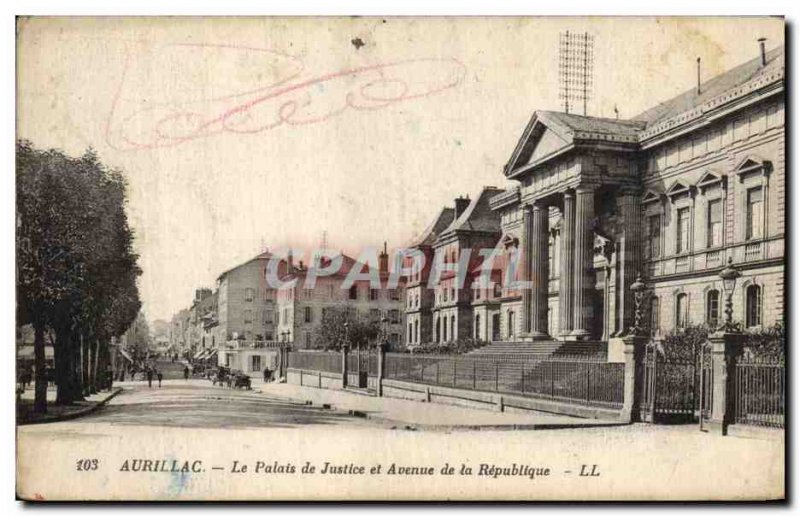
(346, 343)
(639, 290)
(384, 337)
(729, 276)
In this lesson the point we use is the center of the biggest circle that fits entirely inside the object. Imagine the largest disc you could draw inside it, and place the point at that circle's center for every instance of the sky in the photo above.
(243, 134)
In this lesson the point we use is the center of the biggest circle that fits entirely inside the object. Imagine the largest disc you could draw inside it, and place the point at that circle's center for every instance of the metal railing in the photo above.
(326, 361)
(760, 391)
(581, 379)
(255, 344)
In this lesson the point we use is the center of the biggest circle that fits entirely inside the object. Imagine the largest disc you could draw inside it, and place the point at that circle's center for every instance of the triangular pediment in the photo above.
(751, 163)
(541, 139)
(710, 178)
(651, 196)
(677, 188)
(548, 143)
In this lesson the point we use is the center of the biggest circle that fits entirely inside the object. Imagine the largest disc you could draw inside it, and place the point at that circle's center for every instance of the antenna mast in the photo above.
(575, 68)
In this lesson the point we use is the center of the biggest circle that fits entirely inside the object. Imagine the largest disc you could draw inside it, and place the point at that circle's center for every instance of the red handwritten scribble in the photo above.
(191, 102)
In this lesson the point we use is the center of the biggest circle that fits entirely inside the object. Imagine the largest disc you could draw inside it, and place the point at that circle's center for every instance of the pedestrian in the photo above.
(267, 374)
(160, 376)
(149, 378)
(186, 373)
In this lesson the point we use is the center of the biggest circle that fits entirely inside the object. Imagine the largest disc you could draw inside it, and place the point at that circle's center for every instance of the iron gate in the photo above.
(677, 389)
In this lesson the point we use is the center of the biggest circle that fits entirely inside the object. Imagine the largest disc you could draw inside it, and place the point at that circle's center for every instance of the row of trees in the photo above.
(76, 269)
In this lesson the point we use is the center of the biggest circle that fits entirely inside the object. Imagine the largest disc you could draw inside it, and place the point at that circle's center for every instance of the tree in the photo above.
(333, 334)
(76, 270)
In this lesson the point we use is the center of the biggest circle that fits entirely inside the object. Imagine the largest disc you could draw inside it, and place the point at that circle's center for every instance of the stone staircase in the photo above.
(537, 350)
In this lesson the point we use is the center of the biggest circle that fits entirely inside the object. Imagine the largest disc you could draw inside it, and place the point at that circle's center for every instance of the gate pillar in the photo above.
(633, 387)
(344, 366)
(725, 351)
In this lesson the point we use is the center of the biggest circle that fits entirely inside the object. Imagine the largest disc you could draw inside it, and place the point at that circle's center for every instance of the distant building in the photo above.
(419, 299)
(301, 308)
(475, 227)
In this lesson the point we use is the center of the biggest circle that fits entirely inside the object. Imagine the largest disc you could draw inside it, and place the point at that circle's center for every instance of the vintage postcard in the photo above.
(406, 259)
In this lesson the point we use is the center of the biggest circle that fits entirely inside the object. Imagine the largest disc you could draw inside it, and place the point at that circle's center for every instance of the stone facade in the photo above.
(671, 194)
(301, 309)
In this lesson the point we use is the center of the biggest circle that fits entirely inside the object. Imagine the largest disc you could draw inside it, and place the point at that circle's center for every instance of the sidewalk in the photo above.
(415, 414)
(26, 416)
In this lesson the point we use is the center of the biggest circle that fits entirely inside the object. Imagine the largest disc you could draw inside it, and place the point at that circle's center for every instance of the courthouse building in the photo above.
(670, 194)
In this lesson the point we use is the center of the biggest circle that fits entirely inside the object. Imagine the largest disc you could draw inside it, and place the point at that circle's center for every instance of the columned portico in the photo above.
(525, 272)
(630, 255)
(566, 274)
(539, 277)
(583, 258)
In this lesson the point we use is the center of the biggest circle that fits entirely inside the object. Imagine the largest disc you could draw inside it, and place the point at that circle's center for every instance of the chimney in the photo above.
(698, 76)
(461, 205)
(761, 43)
(383, 261)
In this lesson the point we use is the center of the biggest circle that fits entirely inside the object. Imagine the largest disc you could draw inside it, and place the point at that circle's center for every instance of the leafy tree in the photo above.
(76, 271)
(332, 334)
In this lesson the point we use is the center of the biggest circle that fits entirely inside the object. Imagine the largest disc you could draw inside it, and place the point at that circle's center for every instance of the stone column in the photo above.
(539, 263)
(725, 351)
(525, 269)
(630, 259)
(584, 257)
(565, 283)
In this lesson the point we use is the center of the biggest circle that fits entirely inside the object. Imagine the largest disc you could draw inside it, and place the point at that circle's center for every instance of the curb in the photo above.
(361, 414)
(490, 426)
(76, 414)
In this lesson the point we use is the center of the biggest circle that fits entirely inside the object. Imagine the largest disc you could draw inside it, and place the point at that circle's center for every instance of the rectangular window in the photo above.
(255, 363)
(373, 294)
(653, 248)
(681, 310)
(754, 225)
(682, 242)
(249, 293)
(712, 309)
(248, 316)
(714, 228)
(307, 314)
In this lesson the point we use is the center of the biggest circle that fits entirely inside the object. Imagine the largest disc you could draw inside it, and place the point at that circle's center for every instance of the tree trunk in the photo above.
(40, 381)
(63, 351)
(93, 373)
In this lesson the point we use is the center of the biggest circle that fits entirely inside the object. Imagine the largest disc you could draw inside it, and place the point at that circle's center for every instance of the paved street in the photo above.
(198, 404)
(194, 421)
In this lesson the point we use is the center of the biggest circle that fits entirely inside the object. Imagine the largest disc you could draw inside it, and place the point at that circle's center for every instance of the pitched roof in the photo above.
(263, 256)
(478, 216)
(439, 224)
(572, 123)
(713, 87)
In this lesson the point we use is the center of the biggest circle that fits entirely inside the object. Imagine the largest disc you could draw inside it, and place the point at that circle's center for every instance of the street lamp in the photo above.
(384, 331)
(729, 275)
(346, 336)
(638, 288)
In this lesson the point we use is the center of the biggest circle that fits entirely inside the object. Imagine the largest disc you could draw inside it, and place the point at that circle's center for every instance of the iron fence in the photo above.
(760, 390)
(326, 361)
(583, 379)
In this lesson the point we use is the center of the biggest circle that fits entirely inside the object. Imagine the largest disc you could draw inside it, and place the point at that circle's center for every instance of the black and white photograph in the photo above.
(400, 258)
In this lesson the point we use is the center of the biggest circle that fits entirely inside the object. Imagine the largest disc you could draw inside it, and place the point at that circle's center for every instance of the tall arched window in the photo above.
(712, 308)
(510, 323)
(681, 311)
(452, 327)
(410, 339)
(416, 330)
(753, 303)
(438, 328)
(477, 326)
